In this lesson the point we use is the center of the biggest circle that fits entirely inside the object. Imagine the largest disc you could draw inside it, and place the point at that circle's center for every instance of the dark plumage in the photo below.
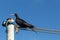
(22, 23)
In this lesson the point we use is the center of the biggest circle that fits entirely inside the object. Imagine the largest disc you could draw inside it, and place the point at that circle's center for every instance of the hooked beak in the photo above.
(12, 14)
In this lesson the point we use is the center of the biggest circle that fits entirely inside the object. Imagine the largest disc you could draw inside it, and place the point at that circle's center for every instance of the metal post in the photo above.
(10, 29)
(10, 32)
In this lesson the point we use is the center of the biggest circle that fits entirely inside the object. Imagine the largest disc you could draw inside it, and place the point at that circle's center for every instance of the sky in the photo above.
(40, 13)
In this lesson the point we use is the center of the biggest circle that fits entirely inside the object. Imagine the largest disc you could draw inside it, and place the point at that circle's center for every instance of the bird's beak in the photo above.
(12, 14)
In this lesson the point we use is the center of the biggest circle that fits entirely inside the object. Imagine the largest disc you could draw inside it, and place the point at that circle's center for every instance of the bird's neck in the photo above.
(17, 17)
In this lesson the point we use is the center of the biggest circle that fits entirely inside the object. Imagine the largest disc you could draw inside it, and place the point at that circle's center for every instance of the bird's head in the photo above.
(15, 14)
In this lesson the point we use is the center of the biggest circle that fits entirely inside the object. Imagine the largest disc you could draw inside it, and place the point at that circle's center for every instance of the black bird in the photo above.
(22, 23)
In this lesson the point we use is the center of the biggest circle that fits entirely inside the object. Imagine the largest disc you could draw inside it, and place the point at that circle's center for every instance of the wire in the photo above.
(42, 30)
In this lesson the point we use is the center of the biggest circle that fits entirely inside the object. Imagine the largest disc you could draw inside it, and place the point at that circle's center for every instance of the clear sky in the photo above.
(40, 13)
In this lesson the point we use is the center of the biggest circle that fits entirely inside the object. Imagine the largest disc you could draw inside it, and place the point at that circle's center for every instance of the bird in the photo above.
(22, 23)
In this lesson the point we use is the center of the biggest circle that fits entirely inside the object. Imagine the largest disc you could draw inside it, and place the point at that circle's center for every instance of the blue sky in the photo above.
(40, 13)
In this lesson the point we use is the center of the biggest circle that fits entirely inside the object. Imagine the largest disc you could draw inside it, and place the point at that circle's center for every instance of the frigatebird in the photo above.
(22, 23)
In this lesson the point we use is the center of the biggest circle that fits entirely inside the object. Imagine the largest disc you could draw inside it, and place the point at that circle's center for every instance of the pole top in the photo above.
(10, 20)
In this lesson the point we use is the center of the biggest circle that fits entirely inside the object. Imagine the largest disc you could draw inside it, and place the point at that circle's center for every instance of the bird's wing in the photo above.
(28, 24)
(23, 21)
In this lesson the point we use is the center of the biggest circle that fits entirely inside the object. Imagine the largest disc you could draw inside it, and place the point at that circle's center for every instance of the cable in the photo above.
(42, 30)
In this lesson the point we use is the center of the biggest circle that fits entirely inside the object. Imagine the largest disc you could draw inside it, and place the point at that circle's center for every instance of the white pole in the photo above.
(10, 32)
